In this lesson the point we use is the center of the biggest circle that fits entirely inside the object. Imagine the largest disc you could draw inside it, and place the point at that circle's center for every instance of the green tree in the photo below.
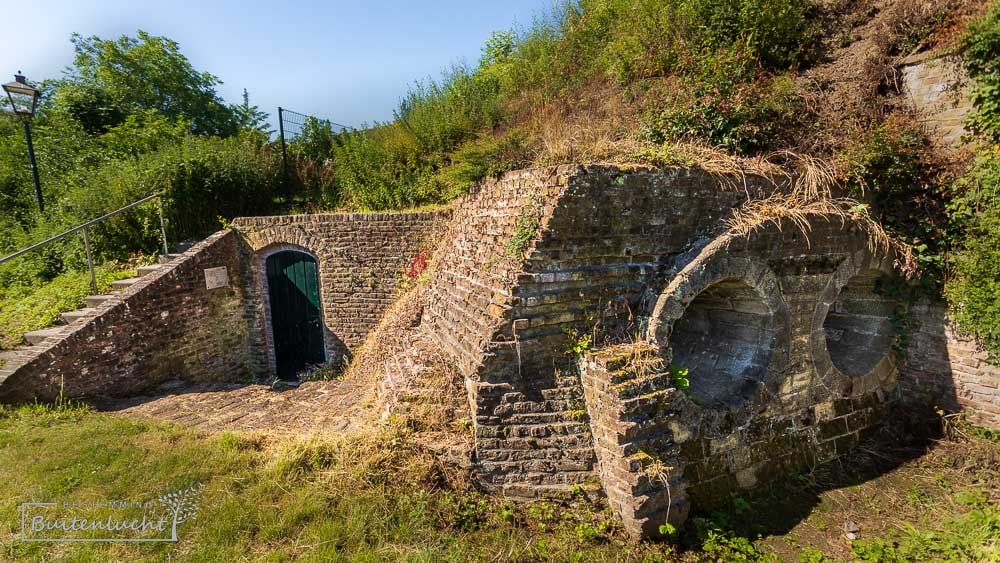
(111, 79)
(316, 139)
(250, 117)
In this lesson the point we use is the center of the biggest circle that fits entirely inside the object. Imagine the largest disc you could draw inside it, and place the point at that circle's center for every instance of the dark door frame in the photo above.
(264, 286)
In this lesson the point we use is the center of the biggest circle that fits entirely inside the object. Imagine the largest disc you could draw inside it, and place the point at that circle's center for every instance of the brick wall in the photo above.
(602, 235)
(167, 325)
(609, 244)
(361, 258)
(596, 262)
(949, 370)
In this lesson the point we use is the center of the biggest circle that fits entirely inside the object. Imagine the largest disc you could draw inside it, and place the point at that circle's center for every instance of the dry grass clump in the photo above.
(596, 124)
(811, 178)
(388, 454)
(408, 375)
(787, 171)
(799, 211)
(388, 336)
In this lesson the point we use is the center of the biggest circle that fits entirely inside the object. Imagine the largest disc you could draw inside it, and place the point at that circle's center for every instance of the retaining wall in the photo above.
(168, 325)
(948, 370)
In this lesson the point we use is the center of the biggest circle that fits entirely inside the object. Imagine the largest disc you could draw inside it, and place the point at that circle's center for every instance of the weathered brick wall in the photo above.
(949, 370)
(476, 267)
(626, 386)
(167, 325)
(602, 234)
(595, 264)
(939, 90)
(608, 243)
(361, 259)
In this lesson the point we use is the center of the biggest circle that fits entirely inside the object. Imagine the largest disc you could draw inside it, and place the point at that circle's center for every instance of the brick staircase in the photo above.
(11, 360)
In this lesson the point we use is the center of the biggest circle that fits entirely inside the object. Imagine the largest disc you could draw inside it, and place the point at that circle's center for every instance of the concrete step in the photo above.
(95, 300)
(35, 337)
(166, 258)
(71, 316)
(146, 270)
(8, 360)
(122, 284)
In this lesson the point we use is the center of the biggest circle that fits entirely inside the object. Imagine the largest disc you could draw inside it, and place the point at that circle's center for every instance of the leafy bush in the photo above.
(973, 289)
(894, 163)
(725, 108)
(475, 160)
(634, 39)
(981, 44)
(202, 178)
(380, 168)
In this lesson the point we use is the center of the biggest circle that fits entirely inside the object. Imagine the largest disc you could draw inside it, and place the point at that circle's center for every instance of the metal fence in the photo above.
(291, 124)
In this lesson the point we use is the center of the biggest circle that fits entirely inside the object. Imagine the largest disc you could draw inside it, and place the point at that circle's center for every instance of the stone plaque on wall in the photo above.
(216, 277)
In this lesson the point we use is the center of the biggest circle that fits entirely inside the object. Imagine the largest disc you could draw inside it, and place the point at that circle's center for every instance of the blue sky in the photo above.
(348, 61)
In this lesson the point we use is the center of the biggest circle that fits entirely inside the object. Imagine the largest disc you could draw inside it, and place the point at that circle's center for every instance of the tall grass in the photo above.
(556, 62)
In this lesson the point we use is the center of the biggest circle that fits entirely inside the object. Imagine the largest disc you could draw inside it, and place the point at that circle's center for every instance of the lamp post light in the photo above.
(24, 101)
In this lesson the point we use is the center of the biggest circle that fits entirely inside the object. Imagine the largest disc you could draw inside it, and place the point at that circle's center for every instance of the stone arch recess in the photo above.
(728, 314)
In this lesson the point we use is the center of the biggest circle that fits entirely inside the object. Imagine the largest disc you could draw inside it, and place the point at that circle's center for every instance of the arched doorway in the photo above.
(296, 321)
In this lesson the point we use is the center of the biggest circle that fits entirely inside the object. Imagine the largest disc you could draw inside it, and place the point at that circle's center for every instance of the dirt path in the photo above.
(320, 406)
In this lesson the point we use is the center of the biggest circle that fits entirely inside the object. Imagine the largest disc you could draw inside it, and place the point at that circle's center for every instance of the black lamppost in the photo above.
(24, 101)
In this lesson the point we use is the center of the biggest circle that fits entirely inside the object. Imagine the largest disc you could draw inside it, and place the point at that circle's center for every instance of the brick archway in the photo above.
(723, 318)
(330, 340)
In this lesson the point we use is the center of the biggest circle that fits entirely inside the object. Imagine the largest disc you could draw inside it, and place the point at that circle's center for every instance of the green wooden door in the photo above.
(293, 288)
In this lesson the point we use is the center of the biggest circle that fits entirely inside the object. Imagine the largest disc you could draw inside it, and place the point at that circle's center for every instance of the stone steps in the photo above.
(96, 300)
(119, 285)
(166, 258)
(145, 270)
(70, 317)
(36, 337)
(10, 360)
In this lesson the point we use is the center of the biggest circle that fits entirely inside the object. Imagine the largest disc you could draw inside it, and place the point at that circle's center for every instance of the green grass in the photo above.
(378, 496)
(23, 309)
(969, 536)
(373, 498)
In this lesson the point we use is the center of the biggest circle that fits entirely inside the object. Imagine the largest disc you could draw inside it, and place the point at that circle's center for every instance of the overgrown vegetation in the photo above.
(129, 119)
(973, 289)
(482, 120)
(616, 80)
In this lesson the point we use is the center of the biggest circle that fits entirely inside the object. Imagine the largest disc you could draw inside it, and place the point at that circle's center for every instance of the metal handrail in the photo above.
(86, 239)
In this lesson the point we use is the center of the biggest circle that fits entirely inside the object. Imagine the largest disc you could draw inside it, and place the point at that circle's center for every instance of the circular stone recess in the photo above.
(858, 326)
(725, 338)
